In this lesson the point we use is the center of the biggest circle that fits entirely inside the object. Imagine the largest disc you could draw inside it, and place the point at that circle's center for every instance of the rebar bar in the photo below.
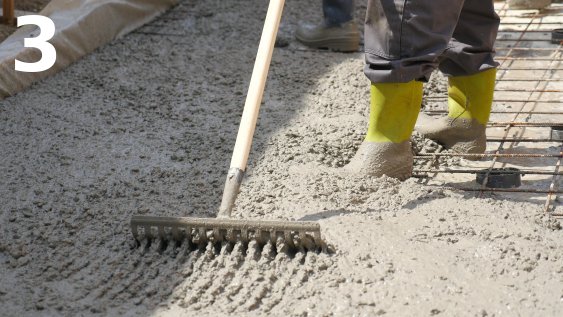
(434, 111)
(533, 80)
(503, 155)
(525, 124)
(532, 23)
(554, 184)
(471, 171)
(524, 69)
(547, 49)
(505, 58)
(509, 190)
(518, 140)
(525, 40)
(528, 90)
(439, 98)
(528, 31)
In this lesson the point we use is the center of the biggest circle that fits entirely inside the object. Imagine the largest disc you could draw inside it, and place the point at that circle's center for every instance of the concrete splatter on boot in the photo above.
(382, 158)
(386, 149)
(458, 135)
(463, 130)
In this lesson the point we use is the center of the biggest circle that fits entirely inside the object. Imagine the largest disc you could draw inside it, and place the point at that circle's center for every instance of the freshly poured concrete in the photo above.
(146, 125)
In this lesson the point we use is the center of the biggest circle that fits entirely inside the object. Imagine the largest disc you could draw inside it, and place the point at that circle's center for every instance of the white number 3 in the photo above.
(48, 52)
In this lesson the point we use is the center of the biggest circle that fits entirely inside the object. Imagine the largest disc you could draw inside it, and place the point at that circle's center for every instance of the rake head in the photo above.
(300, 235)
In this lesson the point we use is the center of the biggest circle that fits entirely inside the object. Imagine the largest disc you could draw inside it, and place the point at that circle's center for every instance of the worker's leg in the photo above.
(338, 12)
(471, 49)
(386, 149)
(404, 40)
(468, 63)
(338, 31)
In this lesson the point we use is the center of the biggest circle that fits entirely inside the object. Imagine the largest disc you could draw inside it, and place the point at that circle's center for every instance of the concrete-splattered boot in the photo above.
(386, 149)
(338, 31)
(469, 105)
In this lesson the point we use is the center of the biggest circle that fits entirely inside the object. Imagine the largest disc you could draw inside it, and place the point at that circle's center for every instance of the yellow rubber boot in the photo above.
(471, 97)
(386, 149)
(469, 106)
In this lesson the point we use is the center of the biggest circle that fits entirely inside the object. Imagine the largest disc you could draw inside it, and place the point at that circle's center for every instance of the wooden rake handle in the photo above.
(257, 84)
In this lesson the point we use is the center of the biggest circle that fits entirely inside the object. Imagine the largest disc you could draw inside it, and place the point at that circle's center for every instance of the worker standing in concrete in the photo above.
(337, 32)
(404, 42)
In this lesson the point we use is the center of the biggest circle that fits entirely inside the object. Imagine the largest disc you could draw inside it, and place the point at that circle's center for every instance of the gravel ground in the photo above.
(147, 124)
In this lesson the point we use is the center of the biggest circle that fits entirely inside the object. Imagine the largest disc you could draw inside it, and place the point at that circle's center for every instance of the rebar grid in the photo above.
(434, 111)
(534, 47)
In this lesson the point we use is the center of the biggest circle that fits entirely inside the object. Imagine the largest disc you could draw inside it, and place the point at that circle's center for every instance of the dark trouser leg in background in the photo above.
(338, 12)
(338, 31)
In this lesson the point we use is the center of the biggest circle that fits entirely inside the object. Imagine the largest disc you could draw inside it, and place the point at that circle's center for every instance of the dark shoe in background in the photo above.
(341, 38)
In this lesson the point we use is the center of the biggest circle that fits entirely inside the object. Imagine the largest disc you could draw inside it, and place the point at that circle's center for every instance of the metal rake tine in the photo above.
(161, 232)
(189, 234)
(288, 237)
(135, 231)
(202, 235)
(273, 238)
(317, 238)
(143, 245)
(261, 236)
(156, 245)
(217, 235)
(176, 234)
(230, 236)
(244, 235)
(305, 241)
(147, 230)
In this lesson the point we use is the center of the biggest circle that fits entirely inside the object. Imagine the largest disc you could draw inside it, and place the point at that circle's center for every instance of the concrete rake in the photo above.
(300, 235)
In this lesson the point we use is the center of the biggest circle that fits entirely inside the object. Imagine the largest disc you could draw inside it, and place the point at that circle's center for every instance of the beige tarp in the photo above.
(81, 26)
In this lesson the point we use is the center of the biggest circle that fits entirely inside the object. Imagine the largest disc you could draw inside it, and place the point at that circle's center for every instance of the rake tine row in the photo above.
(296, 235)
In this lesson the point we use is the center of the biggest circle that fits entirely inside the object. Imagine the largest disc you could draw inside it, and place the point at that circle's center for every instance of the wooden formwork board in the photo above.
(8, 15)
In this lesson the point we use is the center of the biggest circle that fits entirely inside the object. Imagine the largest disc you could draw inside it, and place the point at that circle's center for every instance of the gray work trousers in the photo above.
(406, 40)
(337, 12)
